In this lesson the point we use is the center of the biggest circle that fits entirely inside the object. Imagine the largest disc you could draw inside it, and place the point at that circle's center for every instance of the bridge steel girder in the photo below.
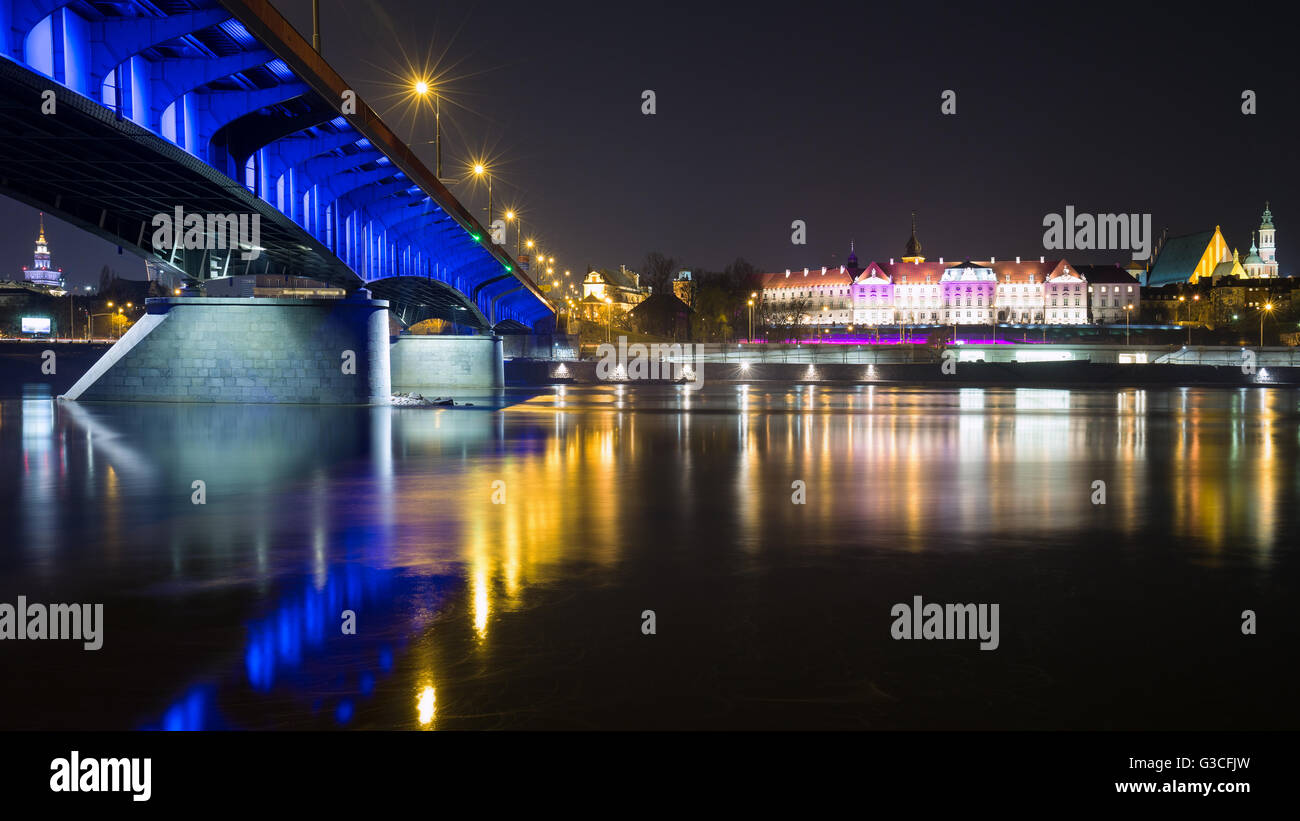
(360, 201)
(292, 153)
(116, 41)
(261, 19)
(23, 16)
(135, 175)
(223, 128)
(171, 80)
(222, 108)
(330, 165)
(433, 233)
(415, 299)
(257, 134)
(492, 314)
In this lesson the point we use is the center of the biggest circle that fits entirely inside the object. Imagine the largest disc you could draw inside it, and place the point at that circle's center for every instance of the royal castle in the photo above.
(914, 291)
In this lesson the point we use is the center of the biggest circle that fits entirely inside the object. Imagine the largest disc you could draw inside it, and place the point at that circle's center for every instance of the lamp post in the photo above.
(424, 88)
(90, 323)
(481, 171)
(1128, 312)
(609, 324)
(751, 320)
(1268, 307)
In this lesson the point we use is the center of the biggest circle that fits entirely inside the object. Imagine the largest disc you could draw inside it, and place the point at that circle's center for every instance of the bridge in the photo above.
(114, 111)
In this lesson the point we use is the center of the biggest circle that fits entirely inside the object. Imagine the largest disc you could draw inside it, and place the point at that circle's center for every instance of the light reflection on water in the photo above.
(476, 614)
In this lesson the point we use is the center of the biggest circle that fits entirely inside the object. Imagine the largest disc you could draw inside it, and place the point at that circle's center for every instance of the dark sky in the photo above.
(829, 113)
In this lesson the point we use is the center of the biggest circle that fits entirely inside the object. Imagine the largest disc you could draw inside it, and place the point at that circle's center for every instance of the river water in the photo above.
(497, 561)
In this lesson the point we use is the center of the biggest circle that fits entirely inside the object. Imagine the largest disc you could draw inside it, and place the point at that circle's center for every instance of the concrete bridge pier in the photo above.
(195, 349)
(421, 364)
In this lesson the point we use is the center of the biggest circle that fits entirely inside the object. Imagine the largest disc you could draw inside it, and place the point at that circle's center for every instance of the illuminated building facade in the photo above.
(41, 274)
(605, 290)
(1112, 292)
(938, 293)
(1261, 263)
(1206, 255)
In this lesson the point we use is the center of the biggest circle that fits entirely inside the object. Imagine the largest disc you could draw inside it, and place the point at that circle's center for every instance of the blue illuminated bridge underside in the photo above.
(221, 107)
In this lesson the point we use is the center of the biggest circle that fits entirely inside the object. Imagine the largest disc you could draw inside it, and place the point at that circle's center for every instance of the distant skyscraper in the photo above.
(41, 273)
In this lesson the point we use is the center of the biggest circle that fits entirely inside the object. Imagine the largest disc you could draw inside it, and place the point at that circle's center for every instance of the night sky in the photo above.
(825, 112)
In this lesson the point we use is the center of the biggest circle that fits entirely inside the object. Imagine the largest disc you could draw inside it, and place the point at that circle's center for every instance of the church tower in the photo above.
(912, 253)
(1267, 244)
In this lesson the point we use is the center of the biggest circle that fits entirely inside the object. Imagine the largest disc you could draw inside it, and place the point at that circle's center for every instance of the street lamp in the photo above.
(1128, 312)
(72, 301)
(423, 88)
(510, 217)
(1268, 308)
(609, 326)
(751, 320)
(480, 170)
(1195, 298)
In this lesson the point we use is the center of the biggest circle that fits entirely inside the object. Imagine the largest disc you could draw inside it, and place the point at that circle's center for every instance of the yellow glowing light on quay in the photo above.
(481, 605)
(426, 706)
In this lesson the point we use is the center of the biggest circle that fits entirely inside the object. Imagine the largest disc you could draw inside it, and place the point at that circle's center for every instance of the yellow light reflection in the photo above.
(481, 606)
(426, 705)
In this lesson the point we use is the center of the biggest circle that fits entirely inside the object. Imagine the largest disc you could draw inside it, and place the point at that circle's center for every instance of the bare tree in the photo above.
(795, 312)
(659, 272)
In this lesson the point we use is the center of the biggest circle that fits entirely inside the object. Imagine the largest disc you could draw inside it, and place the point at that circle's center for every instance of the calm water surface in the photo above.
(527, 614)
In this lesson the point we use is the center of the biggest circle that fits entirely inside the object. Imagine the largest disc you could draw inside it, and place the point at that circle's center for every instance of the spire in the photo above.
(852, 260)
(1268, 217)
(912, 253)
(1253, 249)
(41, 238)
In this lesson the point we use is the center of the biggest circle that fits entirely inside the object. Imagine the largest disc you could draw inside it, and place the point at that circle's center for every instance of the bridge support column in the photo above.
(426, 363)
(190, 349)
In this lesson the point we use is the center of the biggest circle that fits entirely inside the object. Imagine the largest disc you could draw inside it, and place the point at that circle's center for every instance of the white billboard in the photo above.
(36, 325)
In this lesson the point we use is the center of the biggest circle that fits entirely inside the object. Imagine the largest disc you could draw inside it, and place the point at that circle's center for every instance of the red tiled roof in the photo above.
(798, 280)
(916, 273)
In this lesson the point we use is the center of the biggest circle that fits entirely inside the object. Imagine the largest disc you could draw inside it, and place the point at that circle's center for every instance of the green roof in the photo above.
(1178, 258)
(1223, 269)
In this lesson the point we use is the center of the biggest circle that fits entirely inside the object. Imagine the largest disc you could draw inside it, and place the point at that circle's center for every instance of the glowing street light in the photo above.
(480, 170)
(1268, 308)
(1128, 312)
(423, 88)
(511, 216)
